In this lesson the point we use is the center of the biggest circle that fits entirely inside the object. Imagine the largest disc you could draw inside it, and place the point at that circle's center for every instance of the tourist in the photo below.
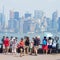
(45, 46)
(50, 41)
(14, 45)
(6, 44)
(3, 47)
(21, 46)
(36, 44)
(11, 42)
(27, 43)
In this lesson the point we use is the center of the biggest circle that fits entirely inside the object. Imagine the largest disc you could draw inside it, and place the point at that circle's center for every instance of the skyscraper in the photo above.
(26, 26)
(54, 21)
(27, 15)
(16, 15)
(38, 14)
(59, 24)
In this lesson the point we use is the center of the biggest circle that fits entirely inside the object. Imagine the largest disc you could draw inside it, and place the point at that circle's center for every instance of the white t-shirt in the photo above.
(54, 44)
(50, 42)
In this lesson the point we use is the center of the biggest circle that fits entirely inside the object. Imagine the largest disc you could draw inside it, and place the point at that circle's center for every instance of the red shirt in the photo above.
(21, 44)
(6, 42)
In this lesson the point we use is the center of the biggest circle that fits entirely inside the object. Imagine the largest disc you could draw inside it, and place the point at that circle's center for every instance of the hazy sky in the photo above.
(48, 6)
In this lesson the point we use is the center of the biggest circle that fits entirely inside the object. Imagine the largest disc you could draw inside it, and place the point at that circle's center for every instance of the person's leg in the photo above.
(21, 52)
(46, 51)
(35, 50)
(24, 51)
(50, 51)
(30, 50)
(27, 49)
(7, 49)
(15, 51)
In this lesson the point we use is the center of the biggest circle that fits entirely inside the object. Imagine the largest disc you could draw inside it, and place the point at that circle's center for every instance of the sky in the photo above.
(48, 6)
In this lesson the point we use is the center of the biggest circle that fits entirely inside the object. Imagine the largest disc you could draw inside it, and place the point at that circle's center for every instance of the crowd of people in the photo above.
(27, 46)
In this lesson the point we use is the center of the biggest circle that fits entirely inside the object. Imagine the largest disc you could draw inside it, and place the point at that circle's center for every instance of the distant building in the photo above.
(13, 25)
(26, 26)
(16, 15)
(49, 24)
(54, 21)
(38, 14)
(59, 24)
(27, 15)
(11, 14)
(2, 20)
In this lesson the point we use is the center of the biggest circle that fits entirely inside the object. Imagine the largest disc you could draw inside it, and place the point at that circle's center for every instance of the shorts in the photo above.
(45, 47)
(37, 47)
(50, 46)
(21, 48)
(27, 47)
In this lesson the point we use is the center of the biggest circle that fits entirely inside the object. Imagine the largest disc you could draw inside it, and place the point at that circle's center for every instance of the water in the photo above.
(29, 34)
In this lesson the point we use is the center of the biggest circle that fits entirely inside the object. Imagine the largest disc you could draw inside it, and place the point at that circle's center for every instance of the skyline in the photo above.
(39, 21)
(48, 6)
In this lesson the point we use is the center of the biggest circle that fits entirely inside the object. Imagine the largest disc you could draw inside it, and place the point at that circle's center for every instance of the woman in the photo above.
(6, 44)
(21, 46)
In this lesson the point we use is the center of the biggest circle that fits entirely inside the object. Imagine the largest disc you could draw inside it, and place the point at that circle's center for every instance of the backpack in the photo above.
(44, 42)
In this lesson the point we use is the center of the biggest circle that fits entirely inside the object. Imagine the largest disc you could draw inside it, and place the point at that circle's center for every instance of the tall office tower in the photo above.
(1, 21)
(32, 25)
(38, 14)
(11, 14)
(44, 24)
(26, 26)
(14, 23)
(16, 15)
(13, 26)
(49, 24)
(54, 21)
(27, 15)
(59, 24)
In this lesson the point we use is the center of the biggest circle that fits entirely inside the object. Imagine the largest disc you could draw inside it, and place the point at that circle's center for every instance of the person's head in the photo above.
(16, 38)
(7, 37)
(38, 37)
(49, 38)
(3, 36)
(11, 37)
(33, 38)
(44, 37)
(27, 38)
(21, 39)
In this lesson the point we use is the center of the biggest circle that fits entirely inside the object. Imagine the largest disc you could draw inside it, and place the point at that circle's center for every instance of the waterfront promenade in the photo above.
(29, 57)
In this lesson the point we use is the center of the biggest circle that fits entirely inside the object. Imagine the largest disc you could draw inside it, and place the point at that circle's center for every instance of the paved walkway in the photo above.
(39, 57)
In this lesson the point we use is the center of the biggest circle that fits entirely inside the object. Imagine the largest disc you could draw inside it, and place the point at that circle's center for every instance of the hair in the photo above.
(7, 37)
(49, 38)
(44, 37)
(21, 38)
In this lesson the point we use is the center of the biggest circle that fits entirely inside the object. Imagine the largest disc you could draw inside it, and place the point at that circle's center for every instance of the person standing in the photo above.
(14, 45)
(3, 47)
(11, 42)
(50, 42)
(36, 44)
(45, 46)
(6, 44)
(27, 43)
